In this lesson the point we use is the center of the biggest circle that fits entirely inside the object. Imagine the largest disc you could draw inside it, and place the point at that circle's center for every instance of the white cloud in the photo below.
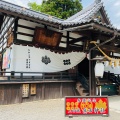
(117, 26)
(118, 14)
(23, 2)
(117, 3)
(17, 2)
(112, 7)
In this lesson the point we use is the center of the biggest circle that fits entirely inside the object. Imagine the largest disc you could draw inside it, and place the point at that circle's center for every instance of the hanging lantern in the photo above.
(99, 69)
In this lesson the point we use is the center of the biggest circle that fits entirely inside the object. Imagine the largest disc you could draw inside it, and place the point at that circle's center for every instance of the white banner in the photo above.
(31, 59)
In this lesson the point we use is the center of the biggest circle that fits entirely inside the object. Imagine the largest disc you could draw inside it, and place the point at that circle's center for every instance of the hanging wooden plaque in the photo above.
(45, 37)
(33, 89)
(25, 90)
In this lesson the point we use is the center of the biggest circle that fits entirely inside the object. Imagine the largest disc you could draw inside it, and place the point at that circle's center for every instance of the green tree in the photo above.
(58, 8)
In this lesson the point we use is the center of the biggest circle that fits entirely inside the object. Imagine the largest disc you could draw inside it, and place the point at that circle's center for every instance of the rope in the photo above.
(106, 56)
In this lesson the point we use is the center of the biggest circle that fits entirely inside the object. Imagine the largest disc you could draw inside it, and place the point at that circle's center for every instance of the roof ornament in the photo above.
(97, 1)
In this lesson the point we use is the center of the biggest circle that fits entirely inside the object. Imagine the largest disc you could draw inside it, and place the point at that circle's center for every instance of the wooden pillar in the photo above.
(92, 80)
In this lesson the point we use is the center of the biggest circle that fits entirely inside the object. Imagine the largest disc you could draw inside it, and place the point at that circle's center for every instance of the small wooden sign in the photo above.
(25, 90)
(33, 89)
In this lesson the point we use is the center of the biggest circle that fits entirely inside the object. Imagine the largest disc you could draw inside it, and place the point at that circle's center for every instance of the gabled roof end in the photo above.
(97, 1)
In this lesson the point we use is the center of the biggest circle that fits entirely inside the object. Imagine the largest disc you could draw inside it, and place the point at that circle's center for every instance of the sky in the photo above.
(112, 8)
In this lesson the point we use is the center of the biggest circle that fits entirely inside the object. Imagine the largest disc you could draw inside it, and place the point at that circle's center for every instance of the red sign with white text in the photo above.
(86, 106)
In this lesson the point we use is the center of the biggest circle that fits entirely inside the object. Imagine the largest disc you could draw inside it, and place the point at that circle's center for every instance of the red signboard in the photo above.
(86, 106)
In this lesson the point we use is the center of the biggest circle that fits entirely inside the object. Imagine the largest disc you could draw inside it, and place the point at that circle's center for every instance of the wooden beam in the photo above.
(77, 40)
(26, 27)
(66, 37)
(86, 33)
(75, 28)
(104, 28)
(42, 81)
(76, 48)
(15, 30)
(110, 48)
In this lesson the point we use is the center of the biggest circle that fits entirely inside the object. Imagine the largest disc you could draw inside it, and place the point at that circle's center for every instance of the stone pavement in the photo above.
(52, 110)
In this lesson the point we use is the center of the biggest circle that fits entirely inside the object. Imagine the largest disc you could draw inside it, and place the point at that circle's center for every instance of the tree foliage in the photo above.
(59, 8)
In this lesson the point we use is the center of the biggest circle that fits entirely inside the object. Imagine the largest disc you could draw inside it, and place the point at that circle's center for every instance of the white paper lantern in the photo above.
(99, 69)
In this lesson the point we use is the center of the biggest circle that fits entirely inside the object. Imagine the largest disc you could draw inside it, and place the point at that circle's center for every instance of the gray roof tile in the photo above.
(82, 17)
(27, 12)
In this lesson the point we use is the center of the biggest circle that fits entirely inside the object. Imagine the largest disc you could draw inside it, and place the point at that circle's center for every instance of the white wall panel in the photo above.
(28, 23)
(63, 39)
(62, 45)
(24, 30)
(79, 43)
(74, 35)
(23, 37)
(65, 33)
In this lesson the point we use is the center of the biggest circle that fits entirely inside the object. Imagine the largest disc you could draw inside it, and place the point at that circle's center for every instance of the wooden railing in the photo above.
(115, 78)
(35, 76)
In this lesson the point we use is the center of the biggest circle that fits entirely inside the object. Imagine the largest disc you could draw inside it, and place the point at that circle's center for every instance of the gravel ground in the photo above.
(52, 110)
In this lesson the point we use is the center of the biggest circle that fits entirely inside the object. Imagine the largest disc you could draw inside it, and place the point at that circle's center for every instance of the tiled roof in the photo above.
(27, 12)
(82, 17)
(86, 13)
